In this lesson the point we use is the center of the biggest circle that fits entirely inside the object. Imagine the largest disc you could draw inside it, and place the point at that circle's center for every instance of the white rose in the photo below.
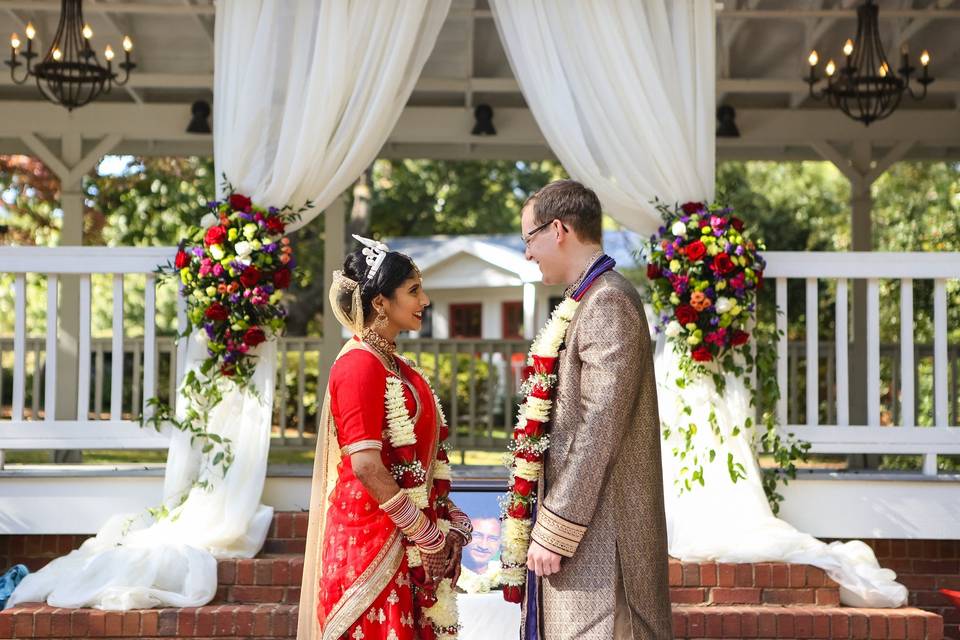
(679, 229)
(209, 220)
(243, 248)
(724, 305)
(673, 329)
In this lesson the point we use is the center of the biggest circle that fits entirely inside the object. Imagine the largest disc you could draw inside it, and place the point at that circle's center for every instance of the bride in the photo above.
(384, 539)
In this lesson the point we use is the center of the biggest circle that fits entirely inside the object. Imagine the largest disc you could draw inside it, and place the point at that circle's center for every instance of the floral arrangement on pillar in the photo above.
(233, 266)
(705, 270)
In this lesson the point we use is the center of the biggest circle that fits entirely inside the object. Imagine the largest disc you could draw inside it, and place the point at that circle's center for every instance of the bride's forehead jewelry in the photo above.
(374, 252)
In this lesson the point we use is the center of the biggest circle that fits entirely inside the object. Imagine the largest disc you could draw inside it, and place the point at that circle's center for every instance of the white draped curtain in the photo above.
(623, 92)
(306, 93)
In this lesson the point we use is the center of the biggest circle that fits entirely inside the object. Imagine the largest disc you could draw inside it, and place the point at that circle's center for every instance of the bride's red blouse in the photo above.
(358, 533)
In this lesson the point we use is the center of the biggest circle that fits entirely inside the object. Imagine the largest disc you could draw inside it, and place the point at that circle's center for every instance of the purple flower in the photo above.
(738, 250)
(197, 251)
(245, 216)
(270, 248)
(208, 327)
(714, 321)
(669, 251)
(234, 298)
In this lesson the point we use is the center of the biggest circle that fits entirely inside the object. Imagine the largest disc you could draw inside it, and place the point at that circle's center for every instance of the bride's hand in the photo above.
(453, 568)
(435, 564)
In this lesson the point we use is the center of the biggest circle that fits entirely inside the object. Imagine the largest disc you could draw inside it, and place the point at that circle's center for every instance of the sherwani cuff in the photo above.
(557, 534)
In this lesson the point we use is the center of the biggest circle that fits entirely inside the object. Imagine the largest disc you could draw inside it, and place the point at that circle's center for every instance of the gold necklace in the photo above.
(382, 347)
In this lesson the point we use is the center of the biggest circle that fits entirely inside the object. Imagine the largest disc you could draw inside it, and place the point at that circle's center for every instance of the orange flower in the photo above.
(222, 288)
(699, 301)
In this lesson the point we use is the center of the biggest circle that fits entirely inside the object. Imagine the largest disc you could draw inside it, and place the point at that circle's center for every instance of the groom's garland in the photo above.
(530, 437)
(705, 271)
(233, 267)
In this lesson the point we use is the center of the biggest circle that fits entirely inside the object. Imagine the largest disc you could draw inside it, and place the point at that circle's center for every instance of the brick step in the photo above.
(265, 579)
(756, 583)
(766, 621)
(276, 621)
(287, 533)
(221, 620)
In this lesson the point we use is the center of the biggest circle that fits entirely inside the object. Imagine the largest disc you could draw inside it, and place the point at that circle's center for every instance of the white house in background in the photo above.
(482, 286)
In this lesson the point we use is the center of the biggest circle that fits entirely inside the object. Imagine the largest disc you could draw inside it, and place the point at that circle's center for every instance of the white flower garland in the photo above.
(401, 432)
(516, 531)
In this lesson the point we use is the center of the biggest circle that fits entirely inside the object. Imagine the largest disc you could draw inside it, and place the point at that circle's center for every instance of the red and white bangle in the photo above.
(413, 523)
(460, 523)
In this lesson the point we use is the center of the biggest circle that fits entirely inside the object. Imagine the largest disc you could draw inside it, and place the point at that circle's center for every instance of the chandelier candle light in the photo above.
(865, 87)
(70, 73)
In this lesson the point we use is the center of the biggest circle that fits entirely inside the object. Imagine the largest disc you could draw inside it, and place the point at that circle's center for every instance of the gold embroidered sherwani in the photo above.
(602, 503)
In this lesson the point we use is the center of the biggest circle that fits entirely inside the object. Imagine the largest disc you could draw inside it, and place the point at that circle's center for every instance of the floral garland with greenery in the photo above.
(233, 266)
(705, 271)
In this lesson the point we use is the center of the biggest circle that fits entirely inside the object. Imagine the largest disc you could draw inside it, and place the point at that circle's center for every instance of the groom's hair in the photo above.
(573, 204)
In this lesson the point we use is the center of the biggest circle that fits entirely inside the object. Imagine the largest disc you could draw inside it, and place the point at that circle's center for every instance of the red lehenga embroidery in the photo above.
(364, 559)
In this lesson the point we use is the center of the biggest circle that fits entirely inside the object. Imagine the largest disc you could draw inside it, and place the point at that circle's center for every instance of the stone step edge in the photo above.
(280, 621)
(764, 621)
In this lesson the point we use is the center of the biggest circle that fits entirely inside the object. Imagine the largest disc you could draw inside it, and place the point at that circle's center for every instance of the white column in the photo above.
(529, 310)
(334, 227)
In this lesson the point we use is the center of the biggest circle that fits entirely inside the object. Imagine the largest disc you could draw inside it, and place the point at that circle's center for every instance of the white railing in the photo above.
(871, 435)
(478, 379)
(65, 268)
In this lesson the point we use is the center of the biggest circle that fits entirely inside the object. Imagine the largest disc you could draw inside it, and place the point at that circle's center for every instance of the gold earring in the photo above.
(381, 320)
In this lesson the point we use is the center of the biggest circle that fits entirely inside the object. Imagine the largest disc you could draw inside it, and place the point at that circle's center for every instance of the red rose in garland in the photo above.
(240, 203)
(182, 260)
(722, 263)
(653, 271)
(254, 336)
(518, 510)
(523, 486)
(696, 250)
(274, 225)
(737, 223)
(686, 314)
(281, 278)
(702, 354)
(739, 338)
(215, 235)
(250, 277)
(217, 312)
(692, 207)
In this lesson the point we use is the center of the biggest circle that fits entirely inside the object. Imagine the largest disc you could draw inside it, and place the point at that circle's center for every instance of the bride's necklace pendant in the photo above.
(382, 347)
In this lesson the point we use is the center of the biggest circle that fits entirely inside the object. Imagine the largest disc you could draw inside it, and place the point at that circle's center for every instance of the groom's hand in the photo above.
(542, 562)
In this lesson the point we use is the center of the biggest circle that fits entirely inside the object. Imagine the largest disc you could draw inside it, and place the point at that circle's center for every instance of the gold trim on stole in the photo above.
(365, 589)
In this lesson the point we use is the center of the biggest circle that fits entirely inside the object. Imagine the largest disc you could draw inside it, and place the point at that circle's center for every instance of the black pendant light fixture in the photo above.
(69, 74)
(866, 87)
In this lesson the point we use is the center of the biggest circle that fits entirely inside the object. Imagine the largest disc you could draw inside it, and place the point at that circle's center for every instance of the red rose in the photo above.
(250, 277)
(444, 433)
(691, 207)
(215, 235)
(523, 486)
(518, 510)
(540, 392)
(275, 225)
(426, 599)
(759, 280)
(722, 263)
(181, 260)
(253, 336)
(686, 314)
(281, 278)
(533, 429)
(702, 354)
(442, 486)
(442, 455)
(696, 250)
(227, 370)
(526, 372)
(530, 456)
(736, 223)
(408, 479)
(418, 576)
(239, 202)
(653, 271)
(513, 593)
(739, 338)
(216, 311)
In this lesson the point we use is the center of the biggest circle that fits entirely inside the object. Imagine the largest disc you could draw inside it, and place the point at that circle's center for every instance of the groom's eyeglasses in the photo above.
(526, 238)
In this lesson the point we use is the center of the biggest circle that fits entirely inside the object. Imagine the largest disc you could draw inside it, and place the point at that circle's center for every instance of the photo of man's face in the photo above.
(485, 546)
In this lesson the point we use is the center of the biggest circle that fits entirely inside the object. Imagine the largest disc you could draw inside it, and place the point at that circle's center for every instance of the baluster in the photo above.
(149, 343)
(50, 389)
(83, 351)
(812, 353)
(782, 354)
(19, 345)
(116, 359)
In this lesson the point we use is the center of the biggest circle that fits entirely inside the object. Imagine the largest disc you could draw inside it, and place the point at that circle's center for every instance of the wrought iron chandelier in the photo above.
(70, 73)
(866, 88)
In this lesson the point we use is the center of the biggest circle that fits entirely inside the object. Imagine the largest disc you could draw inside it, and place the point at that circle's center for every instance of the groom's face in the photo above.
(542, 246)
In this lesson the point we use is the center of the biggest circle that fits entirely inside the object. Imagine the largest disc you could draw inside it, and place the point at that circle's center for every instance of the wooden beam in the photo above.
(840, 14)
(92, 6)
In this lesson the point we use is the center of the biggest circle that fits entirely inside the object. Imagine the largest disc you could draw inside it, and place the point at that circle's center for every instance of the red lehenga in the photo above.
(367, 588)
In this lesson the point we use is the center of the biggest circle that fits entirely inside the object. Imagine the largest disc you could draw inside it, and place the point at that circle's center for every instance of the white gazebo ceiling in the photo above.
(762, 46)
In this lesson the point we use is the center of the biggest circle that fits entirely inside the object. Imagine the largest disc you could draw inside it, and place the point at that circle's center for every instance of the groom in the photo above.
(599, 545)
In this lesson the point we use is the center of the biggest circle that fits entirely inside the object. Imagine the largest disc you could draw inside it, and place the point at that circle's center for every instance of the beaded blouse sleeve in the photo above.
(357, 384)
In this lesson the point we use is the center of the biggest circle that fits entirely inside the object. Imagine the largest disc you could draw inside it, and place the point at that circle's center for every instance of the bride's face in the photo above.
(405, 308)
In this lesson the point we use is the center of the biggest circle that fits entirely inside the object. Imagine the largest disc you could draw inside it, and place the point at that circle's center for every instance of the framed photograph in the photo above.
(480, 565)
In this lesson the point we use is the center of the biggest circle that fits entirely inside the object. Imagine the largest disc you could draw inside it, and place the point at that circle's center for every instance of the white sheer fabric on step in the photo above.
(136, 563)
(732, 522)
